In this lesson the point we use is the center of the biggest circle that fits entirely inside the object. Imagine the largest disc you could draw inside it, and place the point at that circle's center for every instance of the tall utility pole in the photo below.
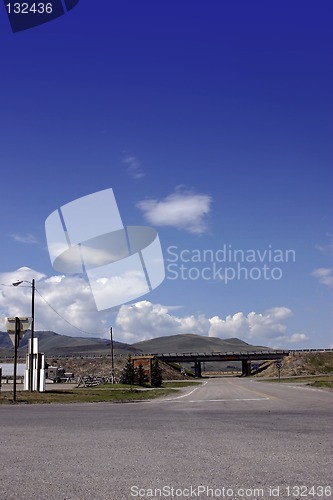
(31, 373)
(16, 343)
(112, 356)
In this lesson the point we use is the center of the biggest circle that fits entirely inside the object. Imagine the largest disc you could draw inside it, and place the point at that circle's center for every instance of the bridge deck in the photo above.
(222, 356)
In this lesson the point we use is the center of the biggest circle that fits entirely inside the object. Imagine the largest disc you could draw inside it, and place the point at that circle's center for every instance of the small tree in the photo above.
(156, 374)
(128, 372)
(141, 377)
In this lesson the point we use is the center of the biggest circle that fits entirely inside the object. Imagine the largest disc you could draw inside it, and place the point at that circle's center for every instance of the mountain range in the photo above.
(53, 344)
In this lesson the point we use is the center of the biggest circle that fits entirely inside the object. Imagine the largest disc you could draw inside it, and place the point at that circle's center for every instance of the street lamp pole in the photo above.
(16, 342)
(31, 372)
(112, 357)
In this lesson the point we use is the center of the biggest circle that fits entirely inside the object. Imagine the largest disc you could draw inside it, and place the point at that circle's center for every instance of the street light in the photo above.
(31, 353)
(112, 357)
(17, 333)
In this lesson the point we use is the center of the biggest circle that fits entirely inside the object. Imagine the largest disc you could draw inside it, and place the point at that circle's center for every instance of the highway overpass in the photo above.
(246, 357)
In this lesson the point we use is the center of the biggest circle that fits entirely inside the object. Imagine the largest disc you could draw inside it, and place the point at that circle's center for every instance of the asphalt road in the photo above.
(228, 438)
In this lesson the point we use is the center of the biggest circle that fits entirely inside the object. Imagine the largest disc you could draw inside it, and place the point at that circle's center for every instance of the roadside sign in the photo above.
(278, 364)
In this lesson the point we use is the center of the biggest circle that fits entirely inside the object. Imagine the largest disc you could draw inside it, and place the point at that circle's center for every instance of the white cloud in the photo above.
(232, 326)
(145, 320)
(108, 292)
(265, 325)
(30, 239)
(60, 301)
(133, 167)
(324, 275)
(297, 337)
(181, 209)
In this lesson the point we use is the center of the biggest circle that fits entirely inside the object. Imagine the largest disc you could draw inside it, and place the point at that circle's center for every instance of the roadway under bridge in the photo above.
(245, 357)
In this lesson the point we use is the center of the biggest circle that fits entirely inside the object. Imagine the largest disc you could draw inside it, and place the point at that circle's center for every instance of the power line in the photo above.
(64, 319)
(54, 310)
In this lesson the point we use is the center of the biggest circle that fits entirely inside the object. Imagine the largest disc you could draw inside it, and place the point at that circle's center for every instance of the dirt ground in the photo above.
(101, 367)
(317, 363)
(294, 365)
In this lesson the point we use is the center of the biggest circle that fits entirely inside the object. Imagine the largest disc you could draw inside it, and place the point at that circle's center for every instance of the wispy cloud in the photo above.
(30, 239)
(297, 337)
(328, 248)
(181, 209)
(324, 275)
(134, 168)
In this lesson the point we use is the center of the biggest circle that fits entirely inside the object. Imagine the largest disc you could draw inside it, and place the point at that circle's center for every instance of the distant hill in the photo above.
(53, 344)
(193, 343)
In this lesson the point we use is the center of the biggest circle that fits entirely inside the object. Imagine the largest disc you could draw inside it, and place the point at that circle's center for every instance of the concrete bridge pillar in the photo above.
(246, 367)
(197, 369)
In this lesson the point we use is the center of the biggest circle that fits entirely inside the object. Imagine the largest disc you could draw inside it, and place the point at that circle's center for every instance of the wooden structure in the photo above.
(146, 362)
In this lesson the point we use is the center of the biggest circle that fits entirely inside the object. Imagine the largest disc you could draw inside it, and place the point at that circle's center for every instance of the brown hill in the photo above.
(190, 342)
(53, 344)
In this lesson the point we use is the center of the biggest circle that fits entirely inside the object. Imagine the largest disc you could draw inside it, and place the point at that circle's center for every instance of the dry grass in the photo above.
(302, 364)
(117, 393)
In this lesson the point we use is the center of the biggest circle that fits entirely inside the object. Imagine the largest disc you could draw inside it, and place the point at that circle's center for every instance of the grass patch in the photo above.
(180, 383)
(328, 384)
(113, 393)
(313, 380)
(320, 362)
(116, 393)
(86, 395)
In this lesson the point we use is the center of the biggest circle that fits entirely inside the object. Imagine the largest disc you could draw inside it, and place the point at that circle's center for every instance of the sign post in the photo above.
(16, 328)
(278, 364)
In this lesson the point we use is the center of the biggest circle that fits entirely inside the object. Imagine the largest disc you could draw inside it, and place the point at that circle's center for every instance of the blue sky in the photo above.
(212, 123)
